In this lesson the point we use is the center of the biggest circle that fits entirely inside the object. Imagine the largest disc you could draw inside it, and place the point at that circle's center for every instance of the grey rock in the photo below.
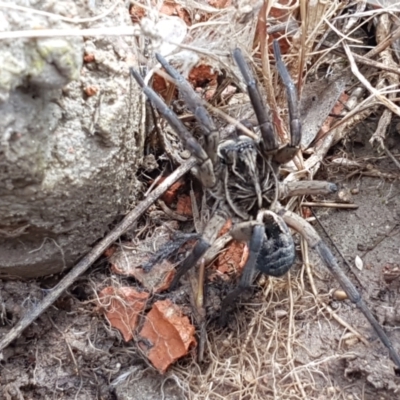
(68, 154)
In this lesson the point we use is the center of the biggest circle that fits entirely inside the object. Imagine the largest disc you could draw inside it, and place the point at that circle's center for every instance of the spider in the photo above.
(242, 175)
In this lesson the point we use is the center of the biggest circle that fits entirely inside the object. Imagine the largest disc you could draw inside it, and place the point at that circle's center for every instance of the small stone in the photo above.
(339, 295)
(344, 195)
(185, 154)
(334, 305)
(331, 390)
(280, 314)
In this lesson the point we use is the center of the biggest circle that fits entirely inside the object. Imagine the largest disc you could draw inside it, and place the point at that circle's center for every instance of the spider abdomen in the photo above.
(277, 252)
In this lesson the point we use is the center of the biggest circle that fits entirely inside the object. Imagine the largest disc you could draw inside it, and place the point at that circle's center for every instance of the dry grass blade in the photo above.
(384, 100)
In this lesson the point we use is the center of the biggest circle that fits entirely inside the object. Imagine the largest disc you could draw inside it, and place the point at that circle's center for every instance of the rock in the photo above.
(67, 160)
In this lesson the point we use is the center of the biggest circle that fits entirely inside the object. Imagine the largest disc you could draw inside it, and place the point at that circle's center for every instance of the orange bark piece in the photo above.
(122, 307)
(88, 58)
(90, 90)
(220, 3)
(168, 8)
(160, 85)
(184, 205)
(136, 13)
(245, 257)
(172, 193)
(201, 75)
(306, 211)
(225, 228)
(230, 260)
(110, 251)
(175, 9)
(167, 335)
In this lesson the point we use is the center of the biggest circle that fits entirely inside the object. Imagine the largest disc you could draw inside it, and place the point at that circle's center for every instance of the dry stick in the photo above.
(95, 253)
(389, 104)
(375, 64)
(363, 59)
(327, 204)
(201, 311)
(385, 43)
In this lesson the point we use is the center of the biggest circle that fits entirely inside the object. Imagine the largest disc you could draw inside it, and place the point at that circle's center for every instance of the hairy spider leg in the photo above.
(210, 233)
(195, 105)
(287, 152)
(191, 260)
(260, 109)
(205, 166)
(291, 94)
(316, 243)
(248, 274)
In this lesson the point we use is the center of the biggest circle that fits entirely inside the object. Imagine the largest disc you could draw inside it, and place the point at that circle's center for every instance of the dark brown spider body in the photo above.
(246, 176)
(243, 177)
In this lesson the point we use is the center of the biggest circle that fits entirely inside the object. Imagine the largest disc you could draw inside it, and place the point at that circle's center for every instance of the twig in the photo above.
(171, 213)
(95, 253)
(382, 31)
(59, 17)
(389, 104)
(329, 205)
(384, 44)
(391, 156)
(362, 59)
(291, 335)
(201, 310)
(41, 33)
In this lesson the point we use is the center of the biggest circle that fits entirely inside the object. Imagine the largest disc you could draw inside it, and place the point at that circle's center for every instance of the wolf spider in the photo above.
(242, 175)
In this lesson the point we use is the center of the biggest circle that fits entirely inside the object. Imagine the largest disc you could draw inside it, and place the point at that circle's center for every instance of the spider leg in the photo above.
(205, 166)
(190, 261)
(293, 103)
(271, 251)
(301, 188)
(261, 110)
(287, 152)
(194, 104)
(211, 231)
(315, 242)
(249, 271)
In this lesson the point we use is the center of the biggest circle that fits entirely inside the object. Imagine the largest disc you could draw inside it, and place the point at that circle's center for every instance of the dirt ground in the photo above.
(280, 344)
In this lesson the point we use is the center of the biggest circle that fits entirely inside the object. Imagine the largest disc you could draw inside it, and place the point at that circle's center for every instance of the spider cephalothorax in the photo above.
(242, 175)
